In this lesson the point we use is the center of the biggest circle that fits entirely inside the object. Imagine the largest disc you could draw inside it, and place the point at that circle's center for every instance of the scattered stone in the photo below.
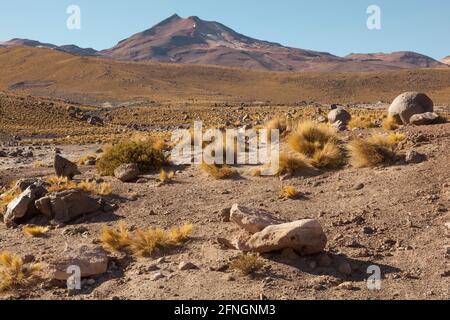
(127, 172)
(252, 220)
(345, 268)
(359, 186)
(305, 237)
(157, 276)
(415, 157)
(339, 126)
(186, 266)
(66, 205)
(409, 104)
(424, 119)
(339, 114)
(347, 286)
(65, 168)
(23, 205)
(225, 214)
(91, 260)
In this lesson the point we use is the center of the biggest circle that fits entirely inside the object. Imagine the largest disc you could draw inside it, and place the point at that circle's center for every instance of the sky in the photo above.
(335, 26)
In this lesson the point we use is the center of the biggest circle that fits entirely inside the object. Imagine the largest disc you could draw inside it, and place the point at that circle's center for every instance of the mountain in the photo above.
(73, 49)
(401, 59)
(446, 60)
(196, 41)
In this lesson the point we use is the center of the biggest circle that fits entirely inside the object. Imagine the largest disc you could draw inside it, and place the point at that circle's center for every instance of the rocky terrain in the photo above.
(327, 225)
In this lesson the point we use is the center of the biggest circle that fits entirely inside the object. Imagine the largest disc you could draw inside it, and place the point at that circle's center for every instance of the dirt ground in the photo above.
(393, 217)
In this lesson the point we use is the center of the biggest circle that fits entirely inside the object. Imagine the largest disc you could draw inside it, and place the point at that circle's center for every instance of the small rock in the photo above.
(359, 186)
(415, 157)
(347, 286)
(252, 220)
(324, 260)
(345, 268)
(127, 172)
(65, 168)
(157, 276)
(186, 266)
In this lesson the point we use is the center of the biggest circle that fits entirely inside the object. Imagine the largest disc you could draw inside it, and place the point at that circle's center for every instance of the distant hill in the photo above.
(73, 49)
(401, 59)
(47, 72)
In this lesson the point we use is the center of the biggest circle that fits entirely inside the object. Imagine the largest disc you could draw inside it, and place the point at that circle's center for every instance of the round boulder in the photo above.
(127, 172)
(339, 114)
(408, 104)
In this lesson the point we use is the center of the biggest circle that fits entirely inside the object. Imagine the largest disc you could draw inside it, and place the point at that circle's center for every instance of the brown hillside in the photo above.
(95, 80)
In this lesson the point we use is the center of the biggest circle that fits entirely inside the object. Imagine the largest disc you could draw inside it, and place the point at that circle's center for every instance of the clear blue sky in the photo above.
(336, 26)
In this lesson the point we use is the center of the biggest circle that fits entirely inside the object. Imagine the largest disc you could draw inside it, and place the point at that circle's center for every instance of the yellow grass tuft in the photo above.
(102, 189)
(38, 164)
(219, 172)
(14, 273)
(7, 197)
(318, 142)
(144, 241)
(361, 122)
(371, 152)
(115, 240)
(35, 231)
(85, 158)
(247, 264)
(289, 192)
(391, 123)
(166, 177)
(291, 164)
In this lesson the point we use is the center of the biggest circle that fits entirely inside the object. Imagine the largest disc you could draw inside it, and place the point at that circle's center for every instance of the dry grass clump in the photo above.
(58, 184)
(361, 122)
(85, 158)
(391, 123)
(38, 164)
(371, 152)
(35, 231)
(318, 142)
(144, 241)
(145, 152)
(14, 273)
(274, 124)
(291, 164)
(115, 240)
(219, 172)
(166, 177)
(289, 192)
(247, 264)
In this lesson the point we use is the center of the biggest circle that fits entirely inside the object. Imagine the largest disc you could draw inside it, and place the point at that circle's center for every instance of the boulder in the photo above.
(408, 104)
(252, 220)
(91, 260)
(306, 237)
(339, 114)
(67, 205)
(23, 205)
(424, 119)
(415, 157)
(65, 168)
(127, 172)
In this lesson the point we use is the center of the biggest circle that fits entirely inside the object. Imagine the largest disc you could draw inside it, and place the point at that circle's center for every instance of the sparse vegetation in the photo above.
(247, 264)
(143, 242)
(391, 123)
(292, 163)
(35, 231)
(166, 177)
(58, 184)
(85, 158)
(289, 192)
(14, 273)
(219, 172)
(7, 197)
(371, 152)
(362, 122)
(145, 152)
(318, 142)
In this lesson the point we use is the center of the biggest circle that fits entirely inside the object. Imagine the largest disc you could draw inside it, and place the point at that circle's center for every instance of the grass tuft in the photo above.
(289, 192)
(247, 264)
(219, 172)
(391, 123)
(371, 152)
(35, 231)
(14, 273)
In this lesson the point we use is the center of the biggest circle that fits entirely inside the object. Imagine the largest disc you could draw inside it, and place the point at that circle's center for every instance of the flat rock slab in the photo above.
(252, 220)
(91, 260)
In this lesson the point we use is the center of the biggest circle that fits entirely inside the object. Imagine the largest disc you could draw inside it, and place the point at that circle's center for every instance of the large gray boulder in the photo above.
(252, 220)
(424, 119)
(23, 205)
(65, 168)
(339, 114)
(127, 172)
(306, 237)
(67, 205)
(408, 104)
